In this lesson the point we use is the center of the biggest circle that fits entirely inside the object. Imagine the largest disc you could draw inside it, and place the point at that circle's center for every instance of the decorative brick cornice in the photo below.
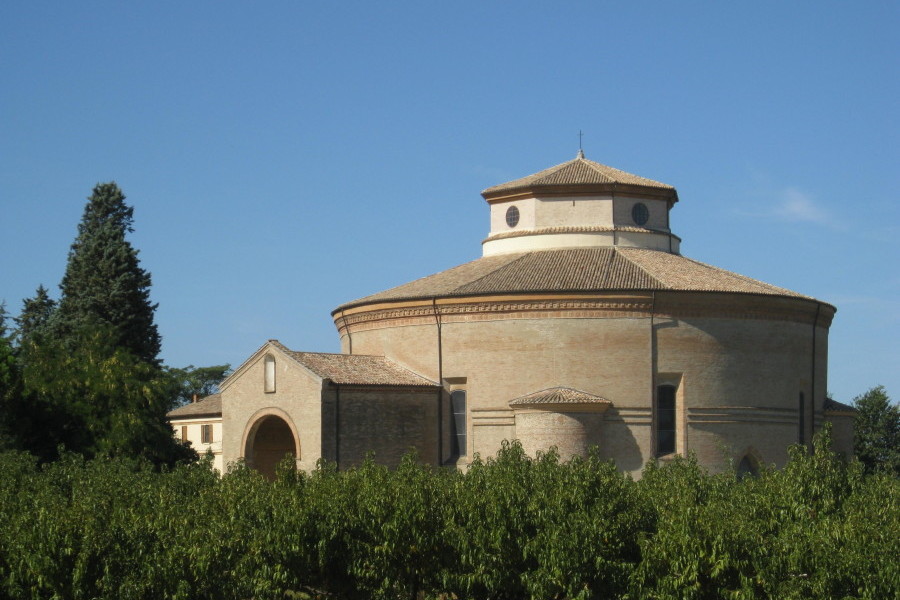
(578, 230)
(487, 309)
(741, 414)
(676, 305)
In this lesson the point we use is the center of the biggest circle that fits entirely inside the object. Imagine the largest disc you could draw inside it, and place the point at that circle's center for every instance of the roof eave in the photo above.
(492, 195)
(648, 290)
(203, 415)
(416, 386)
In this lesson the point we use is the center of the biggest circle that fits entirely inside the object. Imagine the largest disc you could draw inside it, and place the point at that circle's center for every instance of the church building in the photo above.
(581, 325)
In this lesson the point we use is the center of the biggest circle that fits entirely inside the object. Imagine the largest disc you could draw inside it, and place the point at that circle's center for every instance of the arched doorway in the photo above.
(749, 465)
(268, 440)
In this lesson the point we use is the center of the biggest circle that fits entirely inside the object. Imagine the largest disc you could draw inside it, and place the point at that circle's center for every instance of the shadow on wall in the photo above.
(617, 441)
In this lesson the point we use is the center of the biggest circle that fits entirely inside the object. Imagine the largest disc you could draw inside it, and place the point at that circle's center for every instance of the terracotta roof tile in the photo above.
(358, 369)
(579, 171)
(577, 270)
(211, 406)
(558, 395)
(677, 272)
(834, 406)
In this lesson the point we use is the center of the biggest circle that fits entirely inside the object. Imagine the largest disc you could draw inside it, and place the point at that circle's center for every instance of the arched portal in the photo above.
(268, 440)
(749, 464)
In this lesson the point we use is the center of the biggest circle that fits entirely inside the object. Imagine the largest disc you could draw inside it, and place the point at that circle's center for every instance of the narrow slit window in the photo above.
(270, 373)
(801, 425)
(665, 419)
(184, 436)
(458, 423)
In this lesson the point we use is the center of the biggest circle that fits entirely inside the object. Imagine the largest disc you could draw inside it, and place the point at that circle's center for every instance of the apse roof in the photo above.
(577, 172)
(558, 395)
(577, 270)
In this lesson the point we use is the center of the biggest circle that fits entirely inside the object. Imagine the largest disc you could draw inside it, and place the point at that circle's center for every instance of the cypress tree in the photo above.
(89, 367)
(104, 284)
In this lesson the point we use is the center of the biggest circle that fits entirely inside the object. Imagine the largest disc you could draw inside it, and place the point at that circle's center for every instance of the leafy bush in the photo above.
(509, 527)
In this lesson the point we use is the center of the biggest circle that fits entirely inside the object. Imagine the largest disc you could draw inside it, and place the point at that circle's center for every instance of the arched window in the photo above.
(747, 466)
(458, 423)
(665, 419)
(270, 373)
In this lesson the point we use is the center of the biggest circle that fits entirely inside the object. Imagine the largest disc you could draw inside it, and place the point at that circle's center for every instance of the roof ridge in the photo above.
(408, 370)
(336, 354)
(292, 354)
(745, 278)
(520, 256)
(659, 283)
(598, 168)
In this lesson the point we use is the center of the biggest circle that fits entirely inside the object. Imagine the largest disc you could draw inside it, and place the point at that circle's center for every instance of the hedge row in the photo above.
(509, 527)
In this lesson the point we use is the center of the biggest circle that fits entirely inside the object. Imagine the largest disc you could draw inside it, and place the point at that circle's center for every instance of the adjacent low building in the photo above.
(581, 325)
(200, 425)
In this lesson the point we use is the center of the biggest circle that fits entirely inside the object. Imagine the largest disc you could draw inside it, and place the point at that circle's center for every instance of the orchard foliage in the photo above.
(509, 527)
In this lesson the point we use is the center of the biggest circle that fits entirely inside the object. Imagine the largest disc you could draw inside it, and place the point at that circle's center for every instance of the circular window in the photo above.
(640, 214)
(512, 216)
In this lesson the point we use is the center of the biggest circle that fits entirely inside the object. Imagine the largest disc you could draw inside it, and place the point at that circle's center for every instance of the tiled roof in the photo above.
(834, 405)
(579, 171)
(357, 369)
(211, 406)
(577, 270)
(558, 395)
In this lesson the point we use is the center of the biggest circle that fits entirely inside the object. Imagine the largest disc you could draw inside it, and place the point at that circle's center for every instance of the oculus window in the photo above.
(640, 214)
(512, 216)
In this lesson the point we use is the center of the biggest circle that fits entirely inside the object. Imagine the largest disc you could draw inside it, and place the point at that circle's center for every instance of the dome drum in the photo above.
(581, 286)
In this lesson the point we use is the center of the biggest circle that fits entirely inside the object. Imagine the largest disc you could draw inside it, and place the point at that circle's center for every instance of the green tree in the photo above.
(196, 381)
(92, 381)
(101, 400)
(35, 315)
(104, 283)
(10, 386)
(877, 431)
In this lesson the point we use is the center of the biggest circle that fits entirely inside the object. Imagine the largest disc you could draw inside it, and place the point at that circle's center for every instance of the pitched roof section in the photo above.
(834, 406)
(211, 406)
(558, 395)
(577, 270)
(577, 172)
(357, 369)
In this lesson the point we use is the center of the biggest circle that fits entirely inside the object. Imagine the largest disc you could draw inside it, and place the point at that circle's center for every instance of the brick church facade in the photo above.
(581, 325)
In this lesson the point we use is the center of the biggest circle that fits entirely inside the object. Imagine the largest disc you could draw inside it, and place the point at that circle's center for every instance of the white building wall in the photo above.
(194, 429)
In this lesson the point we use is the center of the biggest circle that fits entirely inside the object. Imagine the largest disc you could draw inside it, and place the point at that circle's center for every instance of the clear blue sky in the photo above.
(285, 157)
